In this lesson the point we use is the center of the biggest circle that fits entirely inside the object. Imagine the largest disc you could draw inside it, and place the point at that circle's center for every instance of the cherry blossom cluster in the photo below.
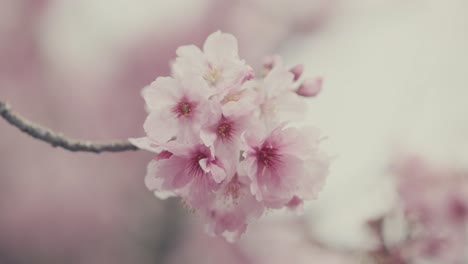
(223, 137)
(435, 208)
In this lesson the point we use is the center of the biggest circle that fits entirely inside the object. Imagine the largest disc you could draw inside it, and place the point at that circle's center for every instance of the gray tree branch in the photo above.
(59, 140)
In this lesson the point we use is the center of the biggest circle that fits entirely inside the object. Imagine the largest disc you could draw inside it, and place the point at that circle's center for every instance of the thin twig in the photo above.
(58, 140)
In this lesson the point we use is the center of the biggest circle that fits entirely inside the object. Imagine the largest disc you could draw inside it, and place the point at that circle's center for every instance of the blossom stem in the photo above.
(58, 140)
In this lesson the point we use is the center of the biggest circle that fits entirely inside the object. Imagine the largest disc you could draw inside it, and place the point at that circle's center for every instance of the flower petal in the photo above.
(160, 126)
(154, 183)
(220, 47)
(147, 144)
(218, 173)
(161, 93)
(190, 62)
(174, 172)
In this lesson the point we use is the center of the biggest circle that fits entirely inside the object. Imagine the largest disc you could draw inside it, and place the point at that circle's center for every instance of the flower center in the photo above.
(183, 109)
(268, 156)
(225, 130)
(233, 188)
(194, 166)
(231, 98)
(213, 76)
(269, 108)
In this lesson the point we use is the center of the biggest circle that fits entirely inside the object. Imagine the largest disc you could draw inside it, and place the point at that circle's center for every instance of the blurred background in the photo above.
(396, 80)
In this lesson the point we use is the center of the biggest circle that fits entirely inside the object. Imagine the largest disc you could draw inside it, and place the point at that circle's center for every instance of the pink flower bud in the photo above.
(297, 71)
(249, 75)
(310, 87)
(296, 204)
(270, 62)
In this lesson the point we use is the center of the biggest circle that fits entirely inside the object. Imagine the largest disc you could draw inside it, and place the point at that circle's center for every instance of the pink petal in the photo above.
(218, 173)
(278, 185)
(220, 46)
(161, 93)
(161, 126)
(277, 81)
(190, 62)
(204, 165)
(315, 172)
(196, 88)
(201, 191)
(154, 183)
(174, 172)
(208, 137)
(244, 106)
(191, 52)
(147, 144)
(290, 107)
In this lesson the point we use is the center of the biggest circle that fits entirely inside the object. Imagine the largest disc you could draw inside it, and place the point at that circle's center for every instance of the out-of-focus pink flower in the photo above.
(232, 209)
(283, 165)
(435, 203)
(433, 195)
(218, 64)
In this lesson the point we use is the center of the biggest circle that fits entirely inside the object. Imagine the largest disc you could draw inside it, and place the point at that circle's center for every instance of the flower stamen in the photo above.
(213, 76)
(268, 156)
(183, 109)
(225, 130)
(233, 188)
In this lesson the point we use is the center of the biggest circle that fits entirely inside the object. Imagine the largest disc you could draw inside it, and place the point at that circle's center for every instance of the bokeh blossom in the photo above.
(433, 205)
(223, 138)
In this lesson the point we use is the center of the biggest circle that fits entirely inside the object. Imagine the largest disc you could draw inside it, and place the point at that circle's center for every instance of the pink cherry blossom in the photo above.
(284, 165)
(191, 171)
(176, 108)
(223, 129)
(218, 64)
(277, 99)
(238, 101)
(232, 209)
(219, 139)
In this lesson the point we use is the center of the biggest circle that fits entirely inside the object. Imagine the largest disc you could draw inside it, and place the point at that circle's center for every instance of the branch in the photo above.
(58, 140)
